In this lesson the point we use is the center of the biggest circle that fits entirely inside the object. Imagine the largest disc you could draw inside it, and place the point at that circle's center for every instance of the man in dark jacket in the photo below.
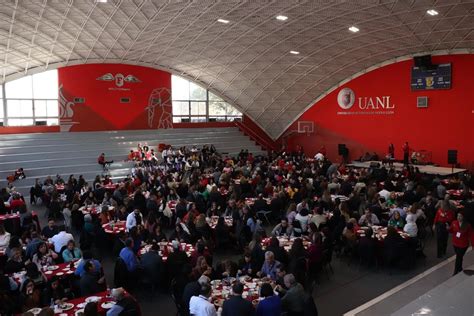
(236, 305)
(152, 264)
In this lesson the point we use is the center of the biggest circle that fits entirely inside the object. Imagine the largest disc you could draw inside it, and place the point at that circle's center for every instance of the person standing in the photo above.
(391, 154)
(406, 153)
(462, 232)
(444, 217)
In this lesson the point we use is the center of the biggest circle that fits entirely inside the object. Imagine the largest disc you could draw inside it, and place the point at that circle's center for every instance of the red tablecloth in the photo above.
(101, 298)
(221, 289)
(16, 216)
(110, 186)
(116, 229)
(63, 270)
(285, 242)
(94, 210)
(227, 219)
(172, 205)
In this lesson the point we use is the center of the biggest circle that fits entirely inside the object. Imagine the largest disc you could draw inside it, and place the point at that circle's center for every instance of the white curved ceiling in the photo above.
(246, 61)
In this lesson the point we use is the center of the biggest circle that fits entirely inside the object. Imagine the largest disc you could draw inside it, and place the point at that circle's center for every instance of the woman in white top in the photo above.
(303, 218)
(410, 227)
(4, 238)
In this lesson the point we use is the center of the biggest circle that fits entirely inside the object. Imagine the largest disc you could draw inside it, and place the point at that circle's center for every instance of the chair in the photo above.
(177, 303)
(326, 264)
(264, 215)
(310, 308)
(121, 273)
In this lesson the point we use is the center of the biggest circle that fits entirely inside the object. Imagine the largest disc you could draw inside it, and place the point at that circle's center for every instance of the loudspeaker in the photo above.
(422, 61)
(40, 123)
(452, 156)
(342, 150)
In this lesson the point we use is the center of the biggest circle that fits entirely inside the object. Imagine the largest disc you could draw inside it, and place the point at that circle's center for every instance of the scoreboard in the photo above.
(432, 78)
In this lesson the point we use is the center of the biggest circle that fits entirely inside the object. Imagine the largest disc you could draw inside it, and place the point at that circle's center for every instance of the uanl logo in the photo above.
(119, 79)
(346, 99)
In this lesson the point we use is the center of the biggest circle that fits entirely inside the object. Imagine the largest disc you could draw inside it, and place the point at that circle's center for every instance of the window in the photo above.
(32, 100)
(192, 103)
(1, 105)
(19, 89)
(45, 85)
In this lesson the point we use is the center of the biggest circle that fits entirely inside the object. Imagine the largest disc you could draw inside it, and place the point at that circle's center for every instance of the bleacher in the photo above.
(41, 155)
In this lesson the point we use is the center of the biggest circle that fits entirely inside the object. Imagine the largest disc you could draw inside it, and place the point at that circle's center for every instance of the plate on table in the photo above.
(92, 299)
(245, 278)
(82, 305)
(60, 273)
(107, 305)
(215, 282)
(48, 272)
(79, 312)
(52, 268)
(35, 311)
(66, 306)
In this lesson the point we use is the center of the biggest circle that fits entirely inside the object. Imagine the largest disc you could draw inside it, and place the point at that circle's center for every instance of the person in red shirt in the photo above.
(103, 162)
(444, 217)
(16, 203)
(462, 232)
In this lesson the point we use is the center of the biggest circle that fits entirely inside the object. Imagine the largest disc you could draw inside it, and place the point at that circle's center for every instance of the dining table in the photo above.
(75, 307)
(222, 289)
(286, 242)
(212, 221)
(166, 248)
(114, 227)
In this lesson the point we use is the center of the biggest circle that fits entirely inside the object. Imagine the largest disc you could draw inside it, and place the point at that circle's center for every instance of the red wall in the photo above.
(447, 123)
(102, 109)
(28, 129)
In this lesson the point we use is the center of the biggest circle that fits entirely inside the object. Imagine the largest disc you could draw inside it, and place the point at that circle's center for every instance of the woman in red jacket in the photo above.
(444, 217)
(462, 232)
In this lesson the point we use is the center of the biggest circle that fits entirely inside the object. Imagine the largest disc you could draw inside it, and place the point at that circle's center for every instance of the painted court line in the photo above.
(400, 287)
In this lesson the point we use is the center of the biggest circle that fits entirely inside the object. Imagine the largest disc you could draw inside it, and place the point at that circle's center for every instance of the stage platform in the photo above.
(434, 292)
(429, 169)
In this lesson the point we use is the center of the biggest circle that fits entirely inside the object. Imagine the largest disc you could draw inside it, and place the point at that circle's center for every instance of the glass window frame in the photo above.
(209, 117)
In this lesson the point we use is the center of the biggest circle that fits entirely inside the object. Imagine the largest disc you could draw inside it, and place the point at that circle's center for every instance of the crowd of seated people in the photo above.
(201, 202)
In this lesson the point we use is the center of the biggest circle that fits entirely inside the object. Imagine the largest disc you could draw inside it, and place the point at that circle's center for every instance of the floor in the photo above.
(452, 297)
(349, 287)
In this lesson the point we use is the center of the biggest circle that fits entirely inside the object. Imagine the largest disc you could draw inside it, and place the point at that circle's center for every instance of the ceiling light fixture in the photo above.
(101, 1)
(282, 18)
(294, 52)
(354, 29)
(432, 12)
(223, 21)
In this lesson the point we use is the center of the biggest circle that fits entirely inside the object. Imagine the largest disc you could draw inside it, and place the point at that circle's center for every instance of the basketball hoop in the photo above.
(306, 127)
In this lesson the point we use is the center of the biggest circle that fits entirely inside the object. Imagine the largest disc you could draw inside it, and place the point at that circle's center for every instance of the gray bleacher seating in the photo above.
(46, 154)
